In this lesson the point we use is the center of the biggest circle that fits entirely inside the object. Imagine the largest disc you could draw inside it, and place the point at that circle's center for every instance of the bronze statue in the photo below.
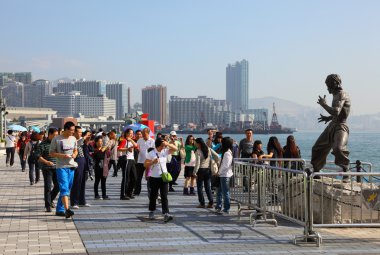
(335, 136)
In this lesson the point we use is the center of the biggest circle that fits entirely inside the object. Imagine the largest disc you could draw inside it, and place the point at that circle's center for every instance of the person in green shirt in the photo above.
(190, 159)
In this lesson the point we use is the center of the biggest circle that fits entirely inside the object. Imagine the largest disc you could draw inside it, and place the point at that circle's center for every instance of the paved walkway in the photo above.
(122, 227)
(25, 227)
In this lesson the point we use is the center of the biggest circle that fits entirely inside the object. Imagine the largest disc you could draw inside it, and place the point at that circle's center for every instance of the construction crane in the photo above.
(274, 125)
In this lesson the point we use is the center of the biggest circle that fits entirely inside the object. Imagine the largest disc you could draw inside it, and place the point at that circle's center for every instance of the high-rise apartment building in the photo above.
(120, 92)
(24, 77)
(117, 91)
(89, 88)
(200, 111)
(73, 103)
(35, 92)
(154, 103)
(237, 86)
(13, 93)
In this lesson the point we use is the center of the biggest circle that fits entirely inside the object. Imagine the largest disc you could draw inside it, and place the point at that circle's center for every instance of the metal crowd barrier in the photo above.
(271, 191)
(357, 166)
(312, 200)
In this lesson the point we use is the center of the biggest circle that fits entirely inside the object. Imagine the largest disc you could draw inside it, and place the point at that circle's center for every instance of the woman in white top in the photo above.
(203, 172)
(225, 173)
(10, 147)
(127, 164)
(190, 159)
(156, 161)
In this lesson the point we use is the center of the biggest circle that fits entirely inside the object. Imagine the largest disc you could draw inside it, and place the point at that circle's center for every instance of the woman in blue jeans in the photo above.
(225, 173)
(203, 172)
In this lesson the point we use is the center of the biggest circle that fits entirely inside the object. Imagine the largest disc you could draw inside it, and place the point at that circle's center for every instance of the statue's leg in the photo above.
(340, 148)
(321, 149)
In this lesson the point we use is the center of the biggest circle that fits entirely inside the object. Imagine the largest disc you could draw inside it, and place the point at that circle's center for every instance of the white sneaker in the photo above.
(74, 207)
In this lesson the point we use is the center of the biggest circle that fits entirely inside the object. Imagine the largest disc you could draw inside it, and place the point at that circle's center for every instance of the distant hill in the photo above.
(291, 114)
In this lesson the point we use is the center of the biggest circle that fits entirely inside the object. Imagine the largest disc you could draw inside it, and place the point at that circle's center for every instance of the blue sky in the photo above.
(291, 45)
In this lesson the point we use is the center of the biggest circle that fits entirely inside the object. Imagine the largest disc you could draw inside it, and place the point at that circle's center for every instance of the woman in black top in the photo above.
(291, 150)
(99, 156)
(274, 151)
(257, 152)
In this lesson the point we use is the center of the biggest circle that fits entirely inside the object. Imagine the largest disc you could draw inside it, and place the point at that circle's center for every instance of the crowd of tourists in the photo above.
(68, 158)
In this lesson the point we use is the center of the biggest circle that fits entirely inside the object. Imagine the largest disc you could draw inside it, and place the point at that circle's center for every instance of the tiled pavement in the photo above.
(122, 227)
(24, 226)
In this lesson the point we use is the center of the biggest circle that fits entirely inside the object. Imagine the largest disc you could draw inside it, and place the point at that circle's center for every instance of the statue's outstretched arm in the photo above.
(337, 104)
(324, 118)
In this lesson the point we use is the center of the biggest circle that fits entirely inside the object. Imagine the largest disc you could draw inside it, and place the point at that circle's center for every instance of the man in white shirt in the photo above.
(156, 161)
(10, 147)
(143, 144)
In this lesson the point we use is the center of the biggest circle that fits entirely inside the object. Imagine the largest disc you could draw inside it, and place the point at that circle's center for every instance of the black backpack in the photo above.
(34, 155)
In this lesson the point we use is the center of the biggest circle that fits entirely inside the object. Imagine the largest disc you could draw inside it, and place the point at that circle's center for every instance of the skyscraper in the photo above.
(154, 103)
(237, 86)
(120, 92)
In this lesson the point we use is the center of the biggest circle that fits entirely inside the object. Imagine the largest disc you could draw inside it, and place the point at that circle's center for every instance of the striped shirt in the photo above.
(80, 148)
(43, 151)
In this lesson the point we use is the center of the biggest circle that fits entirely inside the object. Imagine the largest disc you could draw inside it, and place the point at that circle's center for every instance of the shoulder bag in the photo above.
(166, 177)
(213, 165)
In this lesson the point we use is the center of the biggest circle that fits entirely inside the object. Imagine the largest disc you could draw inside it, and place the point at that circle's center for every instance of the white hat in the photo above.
(172, 133)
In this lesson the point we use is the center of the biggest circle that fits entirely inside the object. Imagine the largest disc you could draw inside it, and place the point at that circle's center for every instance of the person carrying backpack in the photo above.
(31, 154)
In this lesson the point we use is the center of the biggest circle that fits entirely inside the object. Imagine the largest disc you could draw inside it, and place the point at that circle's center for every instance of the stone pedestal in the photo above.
(335, 202)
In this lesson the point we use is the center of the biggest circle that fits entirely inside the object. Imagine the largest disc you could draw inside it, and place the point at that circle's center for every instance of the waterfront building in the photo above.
(237, 86)
(121, 94)
(74, 102)
(154, 103)
(13, 93)
(200, 110)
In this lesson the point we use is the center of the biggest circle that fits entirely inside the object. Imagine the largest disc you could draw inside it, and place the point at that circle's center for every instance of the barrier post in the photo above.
(358, 170)
(309, 234)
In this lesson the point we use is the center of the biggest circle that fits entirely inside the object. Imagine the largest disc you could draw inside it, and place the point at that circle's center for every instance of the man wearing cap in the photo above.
(335, 136)
(175, 164)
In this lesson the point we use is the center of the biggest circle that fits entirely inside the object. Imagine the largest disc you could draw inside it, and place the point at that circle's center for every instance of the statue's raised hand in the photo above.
(324, 118)
(322, 101)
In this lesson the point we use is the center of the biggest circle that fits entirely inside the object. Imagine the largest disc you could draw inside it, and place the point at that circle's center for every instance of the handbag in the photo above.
(213, 165)
(166, 177)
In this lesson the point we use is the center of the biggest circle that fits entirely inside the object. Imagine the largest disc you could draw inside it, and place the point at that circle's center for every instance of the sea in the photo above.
(363, 146)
